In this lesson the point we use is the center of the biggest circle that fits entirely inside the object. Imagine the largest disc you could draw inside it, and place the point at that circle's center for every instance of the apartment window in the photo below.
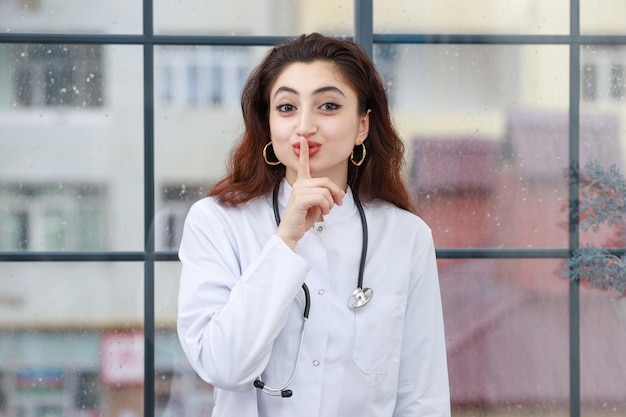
(201, 76)
(52, 217)
(602, 73)
(616, 81)
(589, 80)
(57, 75)
(176, 201)
(88, 391)
(3, 395)
(385, 57)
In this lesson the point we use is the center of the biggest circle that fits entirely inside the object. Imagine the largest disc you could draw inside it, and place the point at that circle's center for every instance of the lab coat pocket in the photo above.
(378, 338)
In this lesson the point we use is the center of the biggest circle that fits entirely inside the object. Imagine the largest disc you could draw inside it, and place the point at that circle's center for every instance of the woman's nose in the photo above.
(306, 124)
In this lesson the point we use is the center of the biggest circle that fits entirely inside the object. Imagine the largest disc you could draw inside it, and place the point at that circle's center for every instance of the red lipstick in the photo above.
(314, 148)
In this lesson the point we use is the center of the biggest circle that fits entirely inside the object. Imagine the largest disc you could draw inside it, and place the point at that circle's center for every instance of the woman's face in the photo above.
(311, 101)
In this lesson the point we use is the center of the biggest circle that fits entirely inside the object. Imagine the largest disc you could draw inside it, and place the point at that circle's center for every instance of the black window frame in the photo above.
(364, 35)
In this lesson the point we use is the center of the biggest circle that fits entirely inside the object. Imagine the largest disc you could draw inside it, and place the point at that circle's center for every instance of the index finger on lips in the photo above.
(304, 170)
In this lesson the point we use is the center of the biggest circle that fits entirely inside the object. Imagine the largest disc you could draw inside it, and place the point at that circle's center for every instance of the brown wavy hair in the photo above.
(380, 175)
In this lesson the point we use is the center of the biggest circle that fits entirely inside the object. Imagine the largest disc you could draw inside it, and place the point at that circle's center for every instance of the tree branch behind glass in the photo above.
(603, 203)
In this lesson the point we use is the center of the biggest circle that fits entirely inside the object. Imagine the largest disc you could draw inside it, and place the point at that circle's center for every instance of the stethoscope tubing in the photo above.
(283, 391)
(359, 207)
(365, 239)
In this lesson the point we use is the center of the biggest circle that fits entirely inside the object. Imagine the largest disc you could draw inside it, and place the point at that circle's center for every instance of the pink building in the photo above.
(507, 320)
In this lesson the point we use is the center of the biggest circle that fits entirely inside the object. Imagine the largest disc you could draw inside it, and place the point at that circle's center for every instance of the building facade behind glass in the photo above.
(116, 117)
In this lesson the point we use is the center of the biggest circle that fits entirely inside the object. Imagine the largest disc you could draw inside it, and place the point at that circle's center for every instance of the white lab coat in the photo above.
(241, 305)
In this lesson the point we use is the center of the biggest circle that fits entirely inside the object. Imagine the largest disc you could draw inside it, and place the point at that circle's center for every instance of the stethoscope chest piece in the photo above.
(360, 297)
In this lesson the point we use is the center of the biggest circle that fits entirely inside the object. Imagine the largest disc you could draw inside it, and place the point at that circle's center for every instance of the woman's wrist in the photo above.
(289, 242)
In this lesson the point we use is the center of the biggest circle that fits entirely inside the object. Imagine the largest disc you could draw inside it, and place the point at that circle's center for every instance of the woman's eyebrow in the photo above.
(320, 90)
(327, 89)
(285, 89)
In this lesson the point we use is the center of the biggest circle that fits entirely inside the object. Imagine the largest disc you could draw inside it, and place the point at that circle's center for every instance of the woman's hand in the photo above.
(310, 199)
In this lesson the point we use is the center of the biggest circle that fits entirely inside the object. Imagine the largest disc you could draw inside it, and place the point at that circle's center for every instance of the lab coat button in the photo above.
(316, 363)
(319, 228)
(321, 292)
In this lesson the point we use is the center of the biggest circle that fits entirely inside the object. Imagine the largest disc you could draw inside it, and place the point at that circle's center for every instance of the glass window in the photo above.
(178, 390)
(175, 201)
(3, 394)
(61, 76)
(602, 17)
(70, 16)
(602, 193)
(115, 119)
(450, 16)
(507, 336)
(197, 121)
(57, 75)
(53, 217)
(602, 364)
(198, 77)
(589, 80)
(486, 128)
(88, 391)
(616, 81)
(263, 17)
(72, 175)
(602, 73)
(76, 347)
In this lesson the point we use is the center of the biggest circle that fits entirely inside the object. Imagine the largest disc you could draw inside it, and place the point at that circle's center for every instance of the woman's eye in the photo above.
(284, 108)
(330, 106)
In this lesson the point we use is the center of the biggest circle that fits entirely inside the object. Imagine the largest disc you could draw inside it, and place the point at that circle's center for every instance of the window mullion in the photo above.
(574, 190)
(364, 25)
(149, 209)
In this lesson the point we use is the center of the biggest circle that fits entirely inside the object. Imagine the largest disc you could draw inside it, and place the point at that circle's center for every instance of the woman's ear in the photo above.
(364, 127)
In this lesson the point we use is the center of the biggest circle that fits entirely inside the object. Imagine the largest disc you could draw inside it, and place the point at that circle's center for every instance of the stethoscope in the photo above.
(360, 296)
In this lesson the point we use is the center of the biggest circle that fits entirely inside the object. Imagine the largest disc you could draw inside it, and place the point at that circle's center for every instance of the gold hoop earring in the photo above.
(360, 161)
(268, 162)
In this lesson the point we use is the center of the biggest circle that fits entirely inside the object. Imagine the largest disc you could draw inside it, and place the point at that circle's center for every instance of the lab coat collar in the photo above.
(337, 213)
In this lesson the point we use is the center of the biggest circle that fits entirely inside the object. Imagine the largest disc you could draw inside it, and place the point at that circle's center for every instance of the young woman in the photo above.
(284, 236)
